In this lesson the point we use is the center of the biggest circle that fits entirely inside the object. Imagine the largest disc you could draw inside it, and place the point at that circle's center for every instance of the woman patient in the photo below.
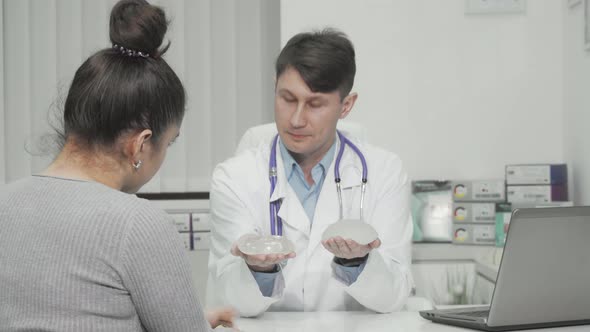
(79, 251)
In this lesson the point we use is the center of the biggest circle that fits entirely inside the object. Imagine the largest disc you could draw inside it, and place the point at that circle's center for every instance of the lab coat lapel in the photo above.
(327, 209)
(291, 210)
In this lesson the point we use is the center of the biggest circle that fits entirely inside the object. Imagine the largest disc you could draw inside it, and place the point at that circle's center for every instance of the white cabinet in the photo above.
(448, 273)
(444, 282)
(192, 219)
(198, 260)
(482, 290)
(486, 269)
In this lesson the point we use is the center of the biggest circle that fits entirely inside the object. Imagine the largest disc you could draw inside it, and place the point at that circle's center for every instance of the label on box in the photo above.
(460, 213)
(479, 191)
(528, 174)
(474, 233)
(459, 191)
(484, 233)
(488, 190)
(529, 194)
(466, 212)
(536, 174)
(484, 212)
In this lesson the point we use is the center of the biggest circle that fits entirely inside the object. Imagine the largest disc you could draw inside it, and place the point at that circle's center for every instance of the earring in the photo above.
(137, 165)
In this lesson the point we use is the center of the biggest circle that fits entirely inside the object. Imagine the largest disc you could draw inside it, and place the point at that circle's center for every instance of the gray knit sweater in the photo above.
(80, 256)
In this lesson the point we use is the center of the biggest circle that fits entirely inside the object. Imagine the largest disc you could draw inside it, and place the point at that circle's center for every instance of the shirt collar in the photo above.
(291, 165)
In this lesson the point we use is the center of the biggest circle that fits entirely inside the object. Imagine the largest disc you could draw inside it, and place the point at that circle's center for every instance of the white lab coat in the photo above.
(240, 205)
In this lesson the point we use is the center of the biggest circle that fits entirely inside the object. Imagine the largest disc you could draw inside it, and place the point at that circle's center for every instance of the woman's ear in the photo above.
(136, 145)
(348, 104)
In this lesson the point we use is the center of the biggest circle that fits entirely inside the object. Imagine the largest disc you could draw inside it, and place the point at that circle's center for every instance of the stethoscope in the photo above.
(276, 224)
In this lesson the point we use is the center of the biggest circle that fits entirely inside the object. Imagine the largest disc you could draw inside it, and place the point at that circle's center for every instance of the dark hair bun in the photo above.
(137, 25)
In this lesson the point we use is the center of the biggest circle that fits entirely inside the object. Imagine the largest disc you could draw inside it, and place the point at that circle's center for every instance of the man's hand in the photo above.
(348, 248)
(261, 262)
(221, 316)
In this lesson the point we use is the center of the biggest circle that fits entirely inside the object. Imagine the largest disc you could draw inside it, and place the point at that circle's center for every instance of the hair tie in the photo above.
(130, 52)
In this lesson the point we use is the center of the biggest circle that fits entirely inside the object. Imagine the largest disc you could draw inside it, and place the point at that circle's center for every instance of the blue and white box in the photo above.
(536, 174)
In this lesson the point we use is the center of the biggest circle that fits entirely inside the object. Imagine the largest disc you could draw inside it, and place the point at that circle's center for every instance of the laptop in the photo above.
(544, 275)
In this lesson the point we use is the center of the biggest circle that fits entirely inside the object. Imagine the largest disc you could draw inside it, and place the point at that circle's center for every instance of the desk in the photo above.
(405, 321)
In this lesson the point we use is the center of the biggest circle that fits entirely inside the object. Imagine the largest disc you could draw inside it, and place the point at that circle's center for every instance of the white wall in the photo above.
(577, 102)
(455, 95)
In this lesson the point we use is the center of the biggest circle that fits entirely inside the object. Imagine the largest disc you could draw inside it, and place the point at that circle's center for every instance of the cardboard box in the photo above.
(537, 194)
(536, 174)
(479, 191)
(474, 234)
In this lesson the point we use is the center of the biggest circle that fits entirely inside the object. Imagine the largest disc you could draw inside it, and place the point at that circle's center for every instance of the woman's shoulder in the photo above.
(133, 208)
(93, 199)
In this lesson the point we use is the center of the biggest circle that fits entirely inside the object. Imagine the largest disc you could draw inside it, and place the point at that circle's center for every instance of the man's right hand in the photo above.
(260, 262)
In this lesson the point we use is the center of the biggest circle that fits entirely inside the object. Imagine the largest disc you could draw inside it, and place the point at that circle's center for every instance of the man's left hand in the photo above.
(348, 248)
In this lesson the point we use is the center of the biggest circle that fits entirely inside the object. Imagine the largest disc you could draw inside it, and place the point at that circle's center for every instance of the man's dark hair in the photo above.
(325, 60)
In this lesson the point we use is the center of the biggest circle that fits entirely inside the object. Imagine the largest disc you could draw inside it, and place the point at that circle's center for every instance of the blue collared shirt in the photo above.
(308, 196)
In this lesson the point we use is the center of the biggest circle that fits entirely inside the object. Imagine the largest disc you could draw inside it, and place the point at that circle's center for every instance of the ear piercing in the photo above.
(137, 164)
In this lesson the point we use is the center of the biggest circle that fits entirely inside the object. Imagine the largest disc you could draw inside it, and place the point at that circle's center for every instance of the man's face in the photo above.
(306, 120)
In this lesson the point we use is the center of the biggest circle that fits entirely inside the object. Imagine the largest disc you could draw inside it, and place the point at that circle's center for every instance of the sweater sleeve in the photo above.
(157, 275)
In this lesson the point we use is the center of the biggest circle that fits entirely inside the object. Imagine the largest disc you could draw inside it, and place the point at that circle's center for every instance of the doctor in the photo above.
(314, 76)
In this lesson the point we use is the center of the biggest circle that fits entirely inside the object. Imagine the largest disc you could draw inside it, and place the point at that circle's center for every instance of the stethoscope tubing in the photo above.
(276, 223)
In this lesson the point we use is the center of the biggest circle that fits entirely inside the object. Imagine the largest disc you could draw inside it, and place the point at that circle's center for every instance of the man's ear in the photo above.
(348, 104)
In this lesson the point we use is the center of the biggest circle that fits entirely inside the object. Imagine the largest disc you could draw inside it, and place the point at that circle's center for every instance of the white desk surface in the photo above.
(405, 321)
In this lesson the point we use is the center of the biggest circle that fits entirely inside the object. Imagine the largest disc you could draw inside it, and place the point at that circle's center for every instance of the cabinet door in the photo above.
(444, 282)
(483, 290)
(198, 260)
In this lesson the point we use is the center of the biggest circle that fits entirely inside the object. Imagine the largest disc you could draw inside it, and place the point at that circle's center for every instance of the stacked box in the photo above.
(535, 174)
(474, 233)
(536, 184)
(479, 191)
(474, 210)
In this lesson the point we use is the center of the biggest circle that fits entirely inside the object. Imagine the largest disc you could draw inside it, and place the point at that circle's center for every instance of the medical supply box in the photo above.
(537, 194)
(474, 212)
(534, 174)
(474, 234)
(479, 191)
